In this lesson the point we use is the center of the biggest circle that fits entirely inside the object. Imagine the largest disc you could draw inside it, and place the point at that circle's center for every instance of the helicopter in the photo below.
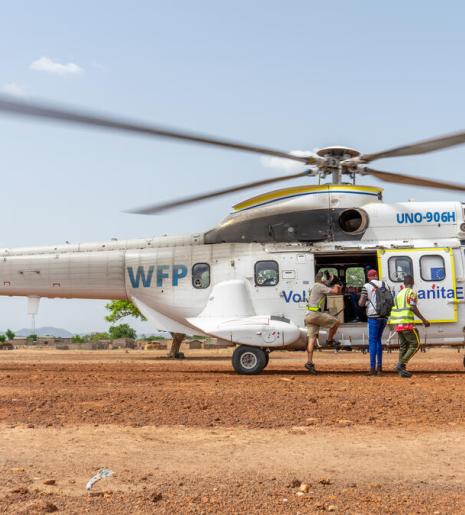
(246, 280)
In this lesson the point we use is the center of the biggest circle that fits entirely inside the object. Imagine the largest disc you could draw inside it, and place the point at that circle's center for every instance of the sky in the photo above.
(290, 75)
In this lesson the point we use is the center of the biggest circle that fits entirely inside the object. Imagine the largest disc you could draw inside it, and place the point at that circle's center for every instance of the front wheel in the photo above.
(248, 360)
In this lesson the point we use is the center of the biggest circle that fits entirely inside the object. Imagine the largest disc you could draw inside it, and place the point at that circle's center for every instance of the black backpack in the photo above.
(384, 300)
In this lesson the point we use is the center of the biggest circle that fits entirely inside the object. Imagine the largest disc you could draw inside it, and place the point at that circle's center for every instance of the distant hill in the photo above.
(46, 331)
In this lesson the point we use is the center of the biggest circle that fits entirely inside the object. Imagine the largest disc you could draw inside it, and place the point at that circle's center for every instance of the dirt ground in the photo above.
(191, 436)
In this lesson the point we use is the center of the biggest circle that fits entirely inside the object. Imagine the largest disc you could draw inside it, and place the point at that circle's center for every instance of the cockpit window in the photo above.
(266, 273)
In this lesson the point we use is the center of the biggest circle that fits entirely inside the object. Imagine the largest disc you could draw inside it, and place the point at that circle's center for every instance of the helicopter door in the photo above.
(281, 282)
(434, 273)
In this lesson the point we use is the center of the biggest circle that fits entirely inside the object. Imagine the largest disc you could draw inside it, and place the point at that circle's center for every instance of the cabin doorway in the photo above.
(350, 271)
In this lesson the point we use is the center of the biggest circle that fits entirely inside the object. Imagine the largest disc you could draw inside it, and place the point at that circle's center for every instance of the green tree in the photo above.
(77, 338)
(122, 308)
(95, 337)
(32, 337)
(153, 338)
(2, 338)
(9, 334)
(122, 331)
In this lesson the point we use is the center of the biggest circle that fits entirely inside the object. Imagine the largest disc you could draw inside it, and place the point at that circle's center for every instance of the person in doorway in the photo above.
(402, 316)
(370, 298)
(317, 318)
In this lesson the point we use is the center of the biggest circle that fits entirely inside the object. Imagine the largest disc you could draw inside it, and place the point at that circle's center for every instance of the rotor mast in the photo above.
(332, 162)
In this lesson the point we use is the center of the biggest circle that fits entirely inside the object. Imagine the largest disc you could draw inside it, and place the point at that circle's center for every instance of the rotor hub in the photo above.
(335, 155)
(333, 162)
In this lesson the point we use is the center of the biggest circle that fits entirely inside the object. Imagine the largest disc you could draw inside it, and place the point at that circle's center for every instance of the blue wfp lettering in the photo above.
(140, 276)
(179, 272)
(143, 276)
(161, 274)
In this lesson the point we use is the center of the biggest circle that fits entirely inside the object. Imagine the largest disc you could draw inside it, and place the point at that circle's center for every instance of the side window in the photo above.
(266, 273)
(432, 268)
(355, 277)
(329, 270)
(399, 267)
(201, 275)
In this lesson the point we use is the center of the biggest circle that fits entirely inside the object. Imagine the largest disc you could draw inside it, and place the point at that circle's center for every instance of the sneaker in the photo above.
(311, 368)
(379, 371)
(372, 372)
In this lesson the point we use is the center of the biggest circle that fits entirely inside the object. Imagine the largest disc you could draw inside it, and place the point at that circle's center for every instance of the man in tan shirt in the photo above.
(316, 318)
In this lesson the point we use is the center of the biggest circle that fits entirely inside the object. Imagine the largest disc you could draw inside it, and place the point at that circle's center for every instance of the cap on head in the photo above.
(372, 274)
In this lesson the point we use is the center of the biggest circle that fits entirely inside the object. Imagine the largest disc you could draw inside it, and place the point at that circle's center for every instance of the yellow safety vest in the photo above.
(401, 312)
(318, 306)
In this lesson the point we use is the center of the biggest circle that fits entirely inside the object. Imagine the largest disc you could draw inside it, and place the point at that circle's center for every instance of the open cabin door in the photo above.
(434, 273)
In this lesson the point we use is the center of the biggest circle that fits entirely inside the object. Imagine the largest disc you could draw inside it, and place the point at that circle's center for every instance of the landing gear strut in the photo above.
(249, 360)
(175, 346)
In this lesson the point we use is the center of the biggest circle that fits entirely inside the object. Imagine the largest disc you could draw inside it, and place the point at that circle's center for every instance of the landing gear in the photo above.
(175, 346)
(267, 358)
(249, 360)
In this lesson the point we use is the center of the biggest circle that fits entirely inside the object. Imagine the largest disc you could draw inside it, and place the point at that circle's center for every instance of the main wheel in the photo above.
(267, 358)
(248, 360)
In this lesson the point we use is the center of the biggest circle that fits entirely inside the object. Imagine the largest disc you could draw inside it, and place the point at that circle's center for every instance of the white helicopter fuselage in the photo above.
(255, 292)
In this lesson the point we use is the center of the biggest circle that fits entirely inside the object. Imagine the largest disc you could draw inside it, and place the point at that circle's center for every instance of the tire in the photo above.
(267, 358)
(248, 360)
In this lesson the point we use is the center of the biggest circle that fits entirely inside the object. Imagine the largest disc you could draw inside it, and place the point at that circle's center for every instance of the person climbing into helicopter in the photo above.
(402, 316)
(317, 318)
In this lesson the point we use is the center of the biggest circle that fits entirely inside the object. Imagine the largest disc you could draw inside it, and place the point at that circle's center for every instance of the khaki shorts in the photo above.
(316, 319)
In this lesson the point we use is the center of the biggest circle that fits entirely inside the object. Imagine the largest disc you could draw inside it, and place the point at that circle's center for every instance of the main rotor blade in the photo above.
(422, 147)
(172, 204)
(400, 178)
(58, 114)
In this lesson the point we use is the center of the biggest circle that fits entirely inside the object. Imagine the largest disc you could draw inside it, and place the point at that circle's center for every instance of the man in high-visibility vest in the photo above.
(316, 318)
(403, 317)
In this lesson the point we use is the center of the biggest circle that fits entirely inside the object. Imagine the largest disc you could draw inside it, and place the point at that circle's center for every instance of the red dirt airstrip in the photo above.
(192, 436)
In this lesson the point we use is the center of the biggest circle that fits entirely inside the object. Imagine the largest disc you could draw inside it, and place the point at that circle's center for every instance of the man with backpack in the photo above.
(377, 299)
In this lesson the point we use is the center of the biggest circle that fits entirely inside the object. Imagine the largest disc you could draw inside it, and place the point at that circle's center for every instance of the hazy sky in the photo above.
(293, 75)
